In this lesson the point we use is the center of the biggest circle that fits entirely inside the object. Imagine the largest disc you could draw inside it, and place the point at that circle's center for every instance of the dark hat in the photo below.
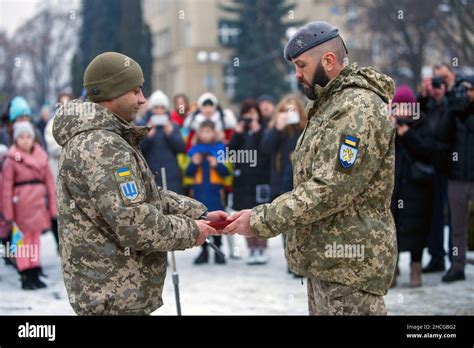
(265, 97)
(404, 94)
(110, 75)
(309, 36)
(469, 79)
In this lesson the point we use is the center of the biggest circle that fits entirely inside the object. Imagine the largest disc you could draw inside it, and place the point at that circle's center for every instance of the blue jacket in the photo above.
(160, 151)
(208, 182)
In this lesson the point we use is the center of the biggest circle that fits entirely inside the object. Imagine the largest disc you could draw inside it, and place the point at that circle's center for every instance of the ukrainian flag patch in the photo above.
(124, 171)
(348, 153)
(351, 141)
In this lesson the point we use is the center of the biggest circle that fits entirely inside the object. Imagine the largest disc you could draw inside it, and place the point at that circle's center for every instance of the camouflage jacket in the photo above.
(115, 224)
(337, 221)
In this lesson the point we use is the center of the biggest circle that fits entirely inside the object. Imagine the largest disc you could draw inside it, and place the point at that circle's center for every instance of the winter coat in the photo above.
(279, 145)
(5, 227)
(457, 132)
(115, 224)
(413, 189)
(161, 150)
(208, 183)
(251, 183)
(29, 191)
(224, 121)
(343, 167)
(54, 150)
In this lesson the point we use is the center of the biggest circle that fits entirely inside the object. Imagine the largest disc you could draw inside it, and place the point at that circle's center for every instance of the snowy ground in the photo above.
(238, 289)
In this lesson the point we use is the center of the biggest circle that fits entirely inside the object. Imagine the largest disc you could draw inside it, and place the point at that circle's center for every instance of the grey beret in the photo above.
(309, 36)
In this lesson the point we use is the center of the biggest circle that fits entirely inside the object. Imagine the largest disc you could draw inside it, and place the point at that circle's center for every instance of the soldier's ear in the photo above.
(329, 60)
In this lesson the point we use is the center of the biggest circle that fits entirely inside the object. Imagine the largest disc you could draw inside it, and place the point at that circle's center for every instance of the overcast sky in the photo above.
(13, 13)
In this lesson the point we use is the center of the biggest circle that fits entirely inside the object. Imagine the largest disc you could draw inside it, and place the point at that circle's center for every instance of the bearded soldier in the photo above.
(336, 221)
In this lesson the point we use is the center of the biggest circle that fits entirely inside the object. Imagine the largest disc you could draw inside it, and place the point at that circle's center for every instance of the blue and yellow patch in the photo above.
(124, 171)
(351, 141)
(347, 155)
(128, 185)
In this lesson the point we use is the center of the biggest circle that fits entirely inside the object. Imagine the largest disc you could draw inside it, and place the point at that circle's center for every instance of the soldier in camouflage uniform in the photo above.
(343, 168)
(115, 224)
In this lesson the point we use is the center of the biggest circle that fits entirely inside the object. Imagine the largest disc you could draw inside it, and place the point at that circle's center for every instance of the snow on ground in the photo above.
(238, 289)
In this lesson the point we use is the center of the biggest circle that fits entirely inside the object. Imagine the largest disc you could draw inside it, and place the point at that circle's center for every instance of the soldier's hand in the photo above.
(217, 215)
(204, 231)
(240, 224)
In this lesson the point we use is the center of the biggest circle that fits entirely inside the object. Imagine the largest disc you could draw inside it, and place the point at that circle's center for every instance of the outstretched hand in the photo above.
(240, 223)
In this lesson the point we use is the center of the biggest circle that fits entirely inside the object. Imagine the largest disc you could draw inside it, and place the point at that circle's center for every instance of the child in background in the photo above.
(208, 174)
(5, 227)
(29, 199)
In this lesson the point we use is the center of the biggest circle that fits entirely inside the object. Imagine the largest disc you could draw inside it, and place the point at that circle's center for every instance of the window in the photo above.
(227, 33)
(230, 80)
(162, 42)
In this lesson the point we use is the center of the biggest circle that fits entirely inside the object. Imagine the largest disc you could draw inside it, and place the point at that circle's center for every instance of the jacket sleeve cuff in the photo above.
(259, 225)
(194, 236)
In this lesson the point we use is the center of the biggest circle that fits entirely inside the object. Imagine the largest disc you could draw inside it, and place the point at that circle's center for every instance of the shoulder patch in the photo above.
(347, 154)
(128, 185)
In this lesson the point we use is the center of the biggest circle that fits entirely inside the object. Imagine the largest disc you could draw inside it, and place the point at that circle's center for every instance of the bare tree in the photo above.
(405, 28)
(456, 28)
(43, 49)
(7, 60)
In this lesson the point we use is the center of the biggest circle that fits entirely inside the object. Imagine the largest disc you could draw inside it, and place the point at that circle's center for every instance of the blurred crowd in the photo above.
(434, 174)
(434, 171)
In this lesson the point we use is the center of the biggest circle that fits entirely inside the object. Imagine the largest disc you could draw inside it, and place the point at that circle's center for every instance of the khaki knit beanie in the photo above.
(110, 75)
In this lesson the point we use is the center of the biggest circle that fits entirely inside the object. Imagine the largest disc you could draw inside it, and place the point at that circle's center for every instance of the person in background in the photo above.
(224, 120)
(456, 92)
(163, 143)
(249, 178)
(209, 109)
(29, 198)
(279, 140)
(4, 127)
(180, 109)
(413, 189)
(266, 106)
(20, 111)
(44, 116)
(457, 131)
(208, 174)
(54, 151)
(5, 227)
(433, 105)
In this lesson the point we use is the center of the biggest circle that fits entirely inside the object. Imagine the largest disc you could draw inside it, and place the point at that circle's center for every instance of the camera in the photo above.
(436, 82)
(159, 120)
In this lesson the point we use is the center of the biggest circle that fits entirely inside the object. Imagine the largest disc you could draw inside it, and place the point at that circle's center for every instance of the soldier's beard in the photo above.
(319, 78)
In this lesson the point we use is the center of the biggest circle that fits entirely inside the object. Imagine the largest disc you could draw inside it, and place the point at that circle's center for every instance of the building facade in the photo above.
(190, 38)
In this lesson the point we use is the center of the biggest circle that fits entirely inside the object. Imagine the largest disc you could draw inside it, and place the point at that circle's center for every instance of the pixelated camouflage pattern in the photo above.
(329, 204)
(326, 298)
(113, 250)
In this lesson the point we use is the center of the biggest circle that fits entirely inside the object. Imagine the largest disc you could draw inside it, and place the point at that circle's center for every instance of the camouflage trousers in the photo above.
(327, 298)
